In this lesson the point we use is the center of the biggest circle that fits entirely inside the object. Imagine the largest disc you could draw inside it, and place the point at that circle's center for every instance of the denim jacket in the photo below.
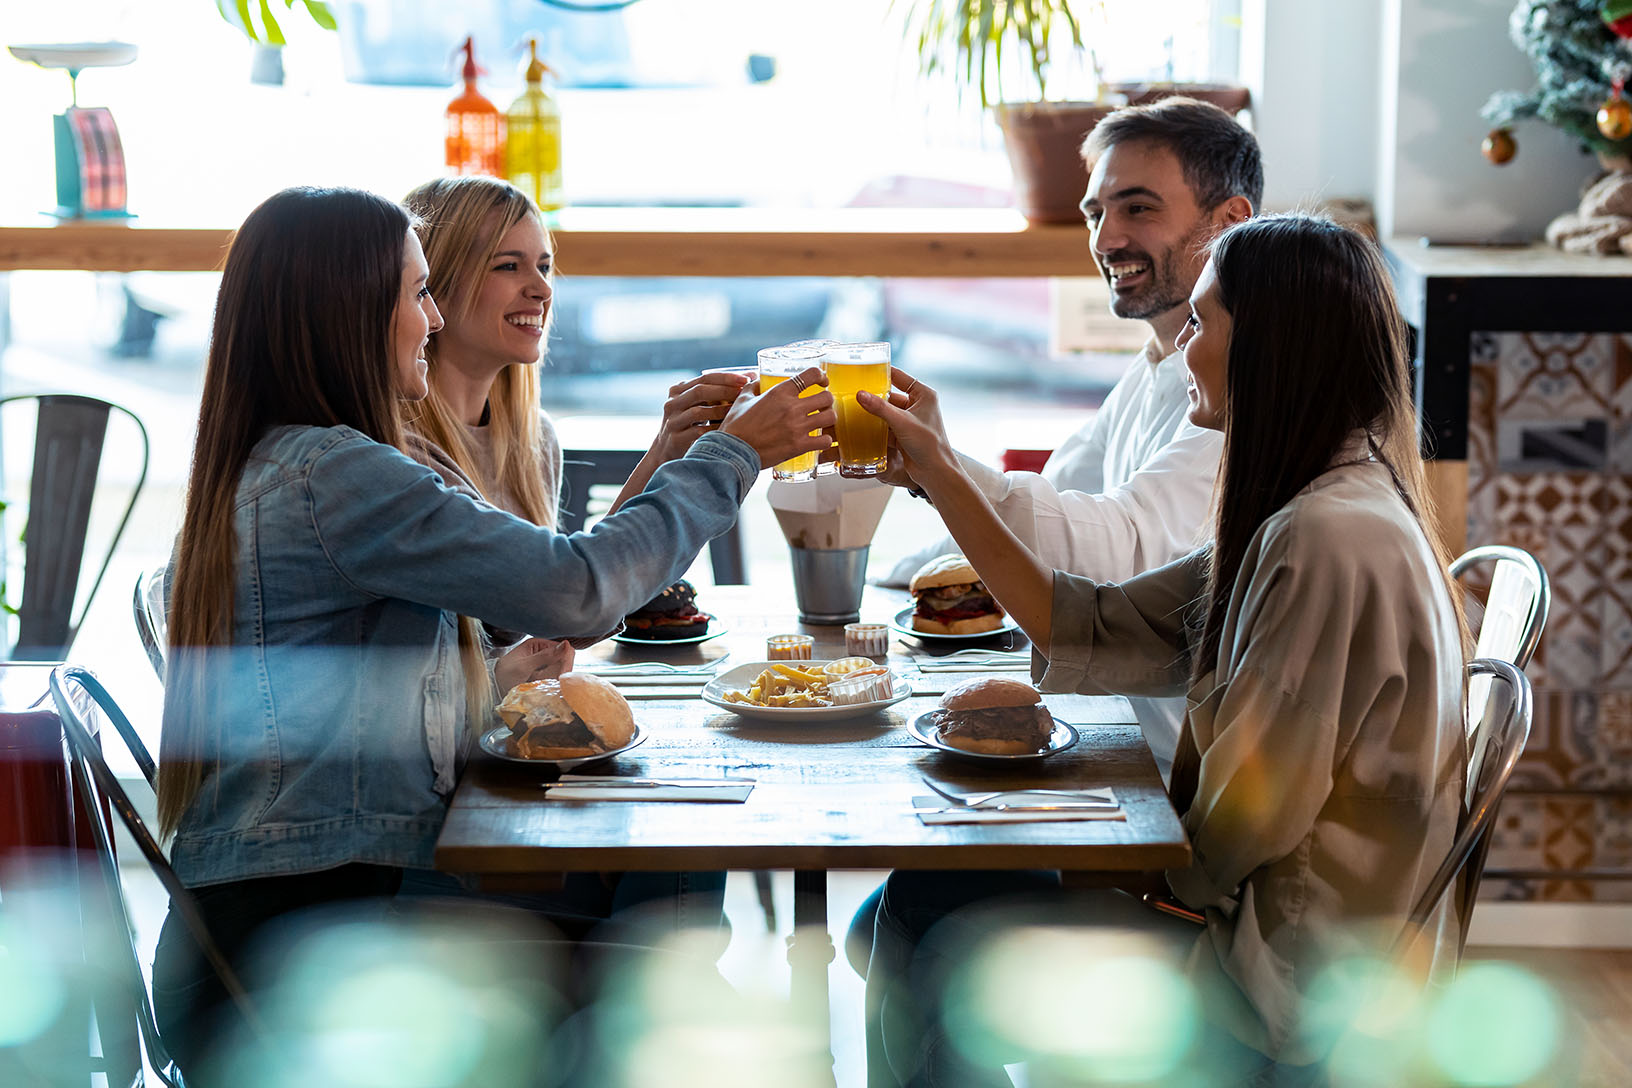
(333, 724)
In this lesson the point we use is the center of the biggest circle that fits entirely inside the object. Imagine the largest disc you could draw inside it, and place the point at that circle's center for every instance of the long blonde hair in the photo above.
(302, 335)
(462, 221)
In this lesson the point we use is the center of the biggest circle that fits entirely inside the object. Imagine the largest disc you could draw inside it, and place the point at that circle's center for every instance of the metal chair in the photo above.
(586, 469)
(94, 778)
(1515, 615)
(69, 435)
(147, 608)
(1516, 610)
(1499, 747)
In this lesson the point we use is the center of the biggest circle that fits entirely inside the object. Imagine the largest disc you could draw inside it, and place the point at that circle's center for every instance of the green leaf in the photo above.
(274, 32)
(320, 12)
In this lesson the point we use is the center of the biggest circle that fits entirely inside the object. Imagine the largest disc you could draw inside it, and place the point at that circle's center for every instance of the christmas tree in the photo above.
(1582, 58)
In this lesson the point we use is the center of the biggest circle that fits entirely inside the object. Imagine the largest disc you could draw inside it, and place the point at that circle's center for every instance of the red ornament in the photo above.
(1617, 15)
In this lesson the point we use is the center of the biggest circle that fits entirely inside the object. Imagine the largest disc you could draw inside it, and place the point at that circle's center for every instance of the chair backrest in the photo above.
(1488, 772)
(1515, 615)
(147, 608)
(586, 469)
(96, 781)
(1516, 610)
(69, 434)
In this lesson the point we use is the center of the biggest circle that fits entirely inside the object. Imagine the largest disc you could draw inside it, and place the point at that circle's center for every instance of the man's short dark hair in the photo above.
(1220, 159)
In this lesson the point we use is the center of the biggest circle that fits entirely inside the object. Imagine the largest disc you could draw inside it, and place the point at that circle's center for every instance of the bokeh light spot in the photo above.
(1496, 1024)
(1107, 1004)
(32, 991)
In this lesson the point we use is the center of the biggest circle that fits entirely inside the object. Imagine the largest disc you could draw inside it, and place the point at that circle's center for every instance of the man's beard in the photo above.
(1171, 279)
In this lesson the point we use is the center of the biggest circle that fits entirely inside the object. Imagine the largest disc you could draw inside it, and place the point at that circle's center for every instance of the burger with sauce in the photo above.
(568, 718)
(670, 615)
(994, 716)
(950, 599)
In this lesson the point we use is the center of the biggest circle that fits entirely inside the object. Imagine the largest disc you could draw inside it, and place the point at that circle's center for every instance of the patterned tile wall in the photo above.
(1550, 470)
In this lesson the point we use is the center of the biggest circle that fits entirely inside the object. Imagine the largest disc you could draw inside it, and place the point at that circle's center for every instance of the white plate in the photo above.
(903, 625)
(1062, 737)
(739, 679)
(496, 742)
(715, 630)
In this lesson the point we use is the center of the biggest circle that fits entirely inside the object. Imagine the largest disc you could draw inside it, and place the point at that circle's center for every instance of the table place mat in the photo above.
(731, 790)
(935, 810)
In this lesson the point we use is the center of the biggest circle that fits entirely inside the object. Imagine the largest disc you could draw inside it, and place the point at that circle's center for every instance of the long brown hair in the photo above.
(462, 221)
(1317, 353)
(302, 335)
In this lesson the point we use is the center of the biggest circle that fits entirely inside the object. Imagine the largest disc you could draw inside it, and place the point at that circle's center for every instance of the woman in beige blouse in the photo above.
(1320, 770)
(492, 271)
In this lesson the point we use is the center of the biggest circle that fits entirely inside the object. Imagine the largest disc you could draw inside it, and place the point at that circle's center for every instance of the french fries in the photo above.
(785, 685)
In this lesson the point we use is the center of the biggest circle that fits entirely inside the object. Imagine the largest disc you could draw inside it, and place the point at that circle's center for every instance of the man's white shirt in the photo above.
(1127, 493)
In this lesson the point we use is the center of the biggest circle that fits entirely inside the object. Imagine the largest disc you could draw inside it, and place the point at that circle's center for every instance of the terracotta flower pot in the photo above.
(1223, 95)
(1044, 142)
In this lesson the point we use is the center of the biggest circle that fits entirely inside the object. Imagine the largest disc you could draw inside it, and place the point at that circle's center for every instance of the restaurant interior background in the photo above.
(781, 104)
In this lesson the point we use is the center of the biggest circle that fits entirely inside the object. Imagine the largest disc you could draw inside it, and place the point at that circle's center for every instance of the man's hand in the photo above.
(913, 412)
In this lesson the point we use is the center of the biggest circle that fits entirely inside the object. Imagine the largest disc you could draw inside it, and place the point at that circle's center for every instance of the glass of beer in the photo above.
(778, 365)
(863, 437)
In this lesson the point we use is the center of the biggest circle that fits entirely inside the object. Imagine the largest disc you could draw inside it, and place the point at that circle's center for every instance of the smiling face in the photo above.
(508, 312)
(412, 323)
(1148, 234)
(1205, 341)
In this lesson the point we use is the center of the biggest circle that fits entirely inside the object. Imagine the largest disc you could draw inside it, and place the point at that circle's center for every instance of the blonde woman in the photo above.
(492, 271)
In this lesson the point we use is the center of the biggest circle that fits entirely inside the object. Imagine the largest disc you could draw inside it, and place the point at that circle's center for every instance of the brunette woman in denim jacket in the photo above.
(315, 703)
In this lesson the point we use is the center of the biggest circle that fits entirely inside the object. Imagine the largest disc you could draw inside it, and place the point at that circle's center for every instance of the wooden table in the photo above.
(834, 795)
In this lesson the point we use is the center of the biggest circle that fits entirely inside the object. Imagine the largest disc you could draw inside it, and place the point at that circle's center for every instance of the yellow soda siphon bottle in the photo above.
(533, 157)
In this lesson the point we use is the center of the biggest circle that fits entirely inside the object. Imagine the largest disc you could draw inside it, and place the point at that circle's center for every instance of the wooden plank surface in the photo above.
(650, 242)
(829, 795)
(834, 795)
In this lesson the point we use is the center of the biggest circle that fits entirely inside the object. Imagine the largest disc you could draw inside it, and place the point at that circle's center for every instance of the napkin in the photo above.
(937, 810)
(732, 790)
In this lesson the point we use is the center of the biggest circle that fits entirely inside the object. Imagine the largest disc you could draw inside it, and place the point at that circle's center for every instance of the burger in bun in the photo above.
(670, 615)
(950, 599)
(995, 717)
(574, 716)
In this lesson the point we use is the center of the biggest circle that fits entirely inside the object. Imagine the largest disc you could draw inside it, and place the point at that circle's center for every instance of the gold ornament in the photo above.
(1615, 118)
(1499, 146)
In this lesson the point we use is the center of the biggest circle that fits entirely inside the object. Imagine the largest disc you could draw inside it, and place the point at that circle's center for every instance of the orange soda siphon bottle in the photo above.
(475, 141)
(533, 138)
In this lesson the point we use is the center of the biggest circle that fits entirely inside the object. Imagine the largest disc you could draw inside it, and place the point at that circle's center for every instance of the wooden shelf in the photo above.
(652, 242)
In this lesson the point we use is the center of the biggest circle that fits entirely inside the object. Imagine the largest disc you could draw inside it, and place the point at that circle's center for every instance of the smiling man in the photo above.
(1131, 490)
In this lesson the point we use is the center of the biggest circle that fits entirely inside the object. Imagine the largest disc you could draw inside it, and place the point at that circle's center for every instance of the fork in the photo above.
(978, 800)
(1016, 655)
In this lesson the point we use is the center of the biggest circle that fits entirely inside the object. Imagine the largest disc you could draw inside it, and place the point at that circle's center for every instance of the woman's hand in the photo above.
(913, 413)
(532, 659)
(778, 423)
(695, 407)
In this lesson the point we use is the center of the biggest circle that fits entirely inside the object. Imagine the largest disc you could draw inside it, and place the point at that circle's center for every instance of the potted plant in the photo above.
(975, 41)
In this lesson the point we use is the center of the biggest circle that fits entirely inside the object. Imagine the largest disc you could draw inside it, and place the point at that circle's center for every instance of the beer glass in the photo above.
(863, 437)
(777, 365)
